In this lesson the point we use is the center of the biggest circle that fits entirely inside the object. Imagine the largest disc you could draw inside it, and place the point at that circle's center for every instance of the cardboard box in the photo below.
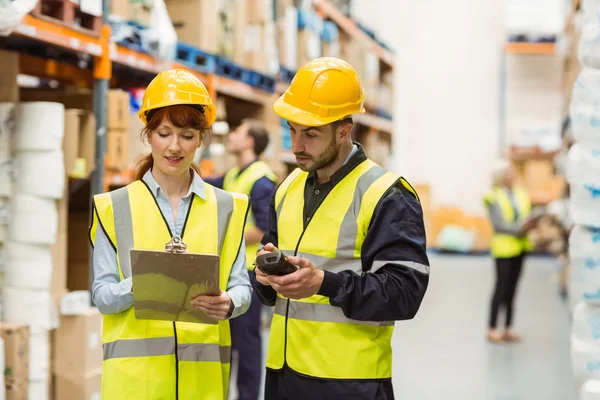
(120, 8)
(239, 31)
(118, 110)
(140, 13)
(79, 140)
(16, 360)
(80, 388)
(309, 46)
(254, 48)
(116, 150)
(78, 344)
(136, 145)
(196, 22)
(78, 250)
(9, 70)
(259, 11)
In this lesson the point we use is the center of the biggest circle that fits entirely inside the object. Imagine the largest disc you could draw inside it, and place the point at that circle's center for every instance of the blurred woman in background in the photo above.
(509, 208)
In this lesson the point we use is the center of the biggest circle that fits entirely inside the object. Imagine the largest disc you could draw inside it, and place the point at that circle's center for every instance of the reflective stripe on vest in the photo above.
(243, 183)
(166, 346)
(320, 340)
(504, 245)
(130, 218)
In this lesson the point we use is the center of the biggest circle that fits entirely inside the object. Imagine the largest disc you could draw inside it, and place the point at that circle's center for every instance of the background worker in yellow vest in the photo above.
(149, 359)
(356, 232)
(252, 177)
(509, 208)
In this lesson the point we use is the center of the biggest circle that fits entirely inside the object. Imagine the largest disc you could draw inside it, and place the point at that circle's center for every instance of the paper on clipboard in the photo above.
(165, 283)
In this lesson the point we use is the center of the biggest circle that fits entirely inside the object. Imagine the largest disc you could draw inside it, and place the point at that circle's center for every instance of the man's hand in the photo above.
(261, 277)
(301, 284)
(217, 307)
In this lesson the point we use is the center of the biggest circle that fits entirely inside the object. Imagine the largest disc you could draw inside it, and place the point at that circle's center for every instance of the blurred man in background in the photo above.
(252, 177)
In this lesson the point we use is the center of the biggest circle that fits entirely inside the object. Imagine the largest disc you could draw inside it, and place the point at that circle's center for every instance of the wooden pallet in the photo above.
(67, 13)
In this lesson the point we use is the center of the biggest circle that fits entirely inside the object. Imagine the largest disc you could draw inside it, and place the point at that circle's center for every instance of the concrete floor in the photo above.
(443, 353)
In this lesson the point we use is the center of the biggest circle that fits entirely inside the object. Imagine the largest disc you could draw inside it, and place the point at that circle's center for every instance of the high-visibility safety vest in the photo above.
(243, 183)
(310, 335)
(503, 245)
(150, 359)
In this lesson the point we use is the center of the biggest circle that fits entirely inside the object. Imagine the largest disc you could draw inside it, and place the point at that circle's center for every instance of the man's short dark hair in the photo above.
(346, 120)
(257, 131)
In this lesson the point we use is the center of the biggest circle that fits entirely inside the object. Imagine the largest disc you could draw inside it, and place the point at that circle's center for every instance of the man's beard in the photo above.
(325, 159)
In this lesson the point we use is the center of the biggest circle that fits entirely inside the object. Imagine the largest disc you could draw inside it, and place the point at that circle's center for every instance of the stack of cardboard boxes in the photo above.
(117, 124)
(196, 22)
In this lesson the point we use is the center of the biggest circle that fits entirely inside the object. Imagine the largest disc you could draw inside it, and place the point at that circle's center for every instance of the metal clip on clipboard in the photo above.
(165, 282)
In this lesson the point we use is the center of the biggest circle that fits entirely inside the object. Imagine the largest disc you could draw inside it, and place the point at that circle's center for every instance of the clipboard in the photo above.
(165, 282)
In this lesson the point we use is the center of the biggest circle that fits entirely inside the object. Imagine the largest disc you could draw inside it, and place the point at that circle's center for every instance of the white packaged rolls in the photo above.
(589, 44)
(584, 253)
(585, 360)
(28, 266)
(4, 210)
(590, 390)
(583, 164)
(586, 324)
(32, 307)
(34, 220)
(38, 390)
(39, 126)
(585, 203)
(40, 173)
(584, 107)
(39, 356)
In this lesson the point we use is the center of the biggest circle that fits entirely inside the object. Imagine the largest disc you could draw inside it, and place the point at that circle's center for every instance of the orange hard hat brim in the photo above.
(301, 117)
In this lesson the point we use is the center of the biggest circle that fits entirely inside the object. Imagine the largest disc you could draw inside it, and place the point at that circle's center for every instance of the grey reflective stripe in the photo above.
(280, 206)
(422, 268)
(224, 213)
(123, 228)
(334, 265)
(320, 313)
(165, 346)
(204, 352)
(349, 226)
(139, 348)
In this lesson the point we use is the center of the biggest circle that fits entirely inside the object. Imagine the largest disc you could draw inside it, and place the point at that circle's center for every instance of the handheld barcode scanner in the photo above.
(275, 264)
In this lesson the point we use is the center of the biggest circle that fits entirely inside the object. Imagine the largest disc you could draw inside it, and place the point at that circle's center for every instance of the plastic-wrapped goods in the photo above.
(40, 173)
(584, 252)
(586, 324)
(40, 126)
(589, 44)
(6, 178)
(7, 124)
(28, 266)
(583, 164)
(39, 356)
(585, 107)
(39, 390)
(590, 390)
(32, 307)
(585, 360)
(585, 203)
(34, 220)
(4, 210)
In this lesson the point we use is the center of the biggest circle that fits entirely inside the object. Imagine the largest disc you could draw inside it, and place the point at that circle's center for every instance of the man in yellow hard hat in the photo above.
(356, 232)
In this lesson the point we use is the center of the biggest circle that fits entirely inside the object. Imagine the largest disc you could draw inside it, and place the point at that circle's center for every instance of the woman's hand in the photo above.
(217, 307)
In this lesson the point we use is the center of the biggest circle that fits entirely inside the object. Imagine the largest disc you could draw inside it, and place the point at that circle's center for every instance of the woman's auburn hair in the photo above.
(182, 116)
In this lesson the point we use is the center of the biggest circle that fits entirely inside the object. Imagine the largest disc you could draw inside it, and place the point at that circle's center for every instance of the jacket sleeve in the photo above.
(266, 294)
(395, 264)
(499, 223)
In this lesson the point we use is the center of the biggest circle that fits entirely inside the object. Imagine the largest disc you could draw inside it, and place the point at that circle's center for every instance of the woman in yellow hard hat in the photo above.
(150, 359)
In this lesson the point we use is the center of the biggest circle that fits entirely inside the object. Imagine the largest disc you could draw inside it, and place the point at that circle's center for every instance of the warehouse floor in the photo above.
(443, 353)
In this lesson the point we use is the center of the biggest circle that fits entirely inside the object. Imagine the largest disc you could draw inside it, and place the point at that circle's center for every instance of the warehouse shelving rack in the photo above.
(95, 61)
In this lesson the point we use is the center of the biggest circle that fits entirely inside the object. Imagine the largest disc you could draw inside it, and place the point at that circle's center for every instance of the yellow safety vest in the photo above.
(150, 359)
(311, 336)
(243, 183)
(503, 245)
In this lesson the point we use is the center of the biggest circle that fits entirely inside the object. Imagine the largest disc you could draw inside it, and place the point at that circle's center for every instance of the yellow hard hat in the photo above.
(174, 87)
(325, 90)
